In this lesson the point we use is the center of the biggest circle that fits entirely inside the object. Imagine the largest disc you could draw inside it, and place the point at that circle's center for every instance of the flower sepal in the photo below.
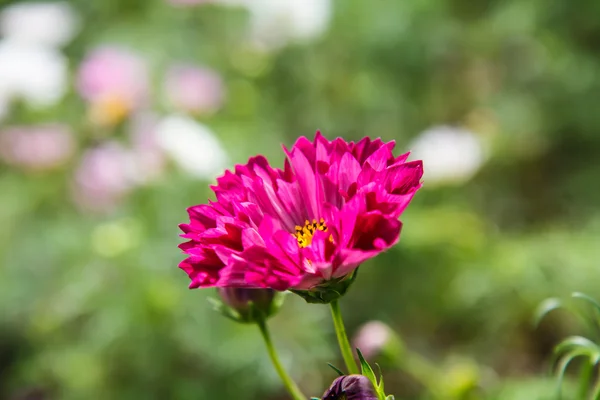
(329, 291)
(247, 306)
(368, 372)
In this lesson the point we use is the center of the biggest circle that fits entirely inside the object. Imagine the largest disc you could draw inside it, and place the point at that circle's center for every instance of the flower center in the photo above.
(304, 234)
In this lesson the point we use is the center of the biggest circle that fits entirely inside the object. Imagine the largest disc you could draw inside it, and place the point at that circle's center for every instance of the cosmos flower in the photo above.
(333, 206)
(350, 387)
(273, 24)
(103, 177)
(34, 74)
(37, 147)
(452, 155)
(51, 24)
(114, 81)
(191, 145)
(194, 89)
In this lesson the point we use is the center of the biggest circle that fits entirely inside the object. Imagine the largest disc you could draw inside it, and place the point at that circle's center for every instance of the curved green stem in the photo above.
(585, 379)
(342, 338)
(289, 384)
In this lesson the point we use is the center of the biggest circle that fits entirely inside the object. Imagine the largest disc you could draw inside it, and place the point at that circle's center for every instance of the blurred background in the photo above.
(116, 115)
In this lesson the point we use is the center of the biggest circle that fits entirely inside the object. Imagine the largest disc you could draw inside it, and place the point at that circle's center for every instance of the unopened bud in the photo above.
(351, 387)
(247, 305)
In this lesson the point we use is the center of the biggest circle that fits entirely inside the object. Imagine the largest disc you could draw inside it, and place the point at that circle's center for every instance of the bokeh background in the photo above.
(116, 115)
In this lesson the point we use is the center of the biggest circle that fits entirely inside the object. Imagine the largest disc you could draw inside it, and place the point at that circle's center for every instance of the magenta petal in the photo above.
(347, 196)
(311, 189)
(381, 158)
(349, 169)
(374, 226)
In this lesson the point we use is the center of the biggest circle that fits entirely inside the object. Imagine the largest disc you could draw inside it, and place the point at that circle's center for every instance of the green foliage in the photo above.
(93, 306)
(366, 370)
(576, 346)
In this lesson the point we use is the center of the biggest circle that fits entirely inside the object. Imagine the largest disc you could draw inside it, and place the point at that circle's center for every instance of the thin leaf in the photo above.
(564, 363)
(366, 369)
(380, 387)
(224, 310)
(576, 342)
(340, 373)
(545, 308)
(595, 306)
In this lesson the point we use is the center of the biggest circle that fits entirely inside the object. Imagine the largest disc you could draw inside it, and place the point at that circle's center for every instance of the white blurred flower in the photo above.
(192, 146)
(276, 22)
(3, 108)
(449, 154)
(43, 23)
(32, 73)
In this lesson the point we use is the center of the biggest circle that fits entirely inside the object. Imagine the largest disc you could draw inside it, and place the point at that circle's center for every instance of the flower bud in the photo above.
(351, 387)
(247, 305)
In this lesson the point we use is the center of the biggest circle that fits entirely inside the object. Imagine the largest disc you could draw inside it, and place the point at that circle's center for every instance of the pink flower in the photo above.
(333, 206)
(103, 177)
(373, 338)
(36, 148)
(193, 89)
(114, 81)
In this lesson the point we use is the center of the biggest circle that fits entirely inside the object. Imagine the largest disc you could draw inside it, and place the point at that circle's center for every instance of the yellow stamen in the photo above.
(109, 110)
(304, 234)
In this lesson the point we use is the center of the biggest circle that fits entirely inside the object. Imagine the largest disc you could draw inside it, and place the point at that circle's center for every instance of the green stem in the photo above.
(585, 378)
(289, 384)
(342, 338)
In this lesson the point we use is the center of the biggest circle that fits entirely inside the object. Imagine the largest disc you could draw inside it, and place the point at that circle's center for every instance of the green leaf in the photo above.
(595, 306)
(366, 369)
(545, 308)
(380, 387)
(224, 310)
(340, 373)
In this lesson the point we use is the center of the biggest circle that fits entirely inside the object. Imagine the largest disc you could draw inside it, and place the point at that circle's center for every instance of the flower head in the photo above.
(350, 387)
(194, 89)
(38, 147)
(114, 82)
(334, 205)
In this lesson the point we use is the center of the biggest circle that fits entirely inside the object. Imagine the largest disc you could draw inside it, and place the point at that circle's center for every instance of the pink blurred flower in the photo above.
(38, 147)
(372, 338)
(334, 205)
(194, 89)
(149, 157)
(103, 177)
(114, 81)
